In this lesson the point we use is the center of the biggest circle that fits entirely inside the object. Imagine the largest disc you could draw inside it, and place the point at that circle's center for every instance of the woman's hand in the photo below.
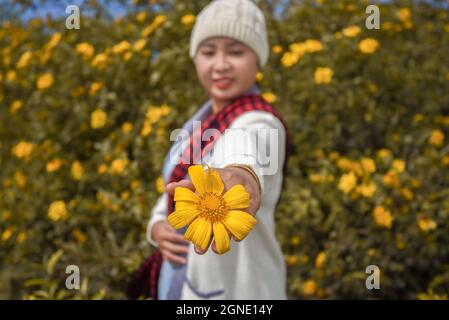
(231, 176)
(171, 244)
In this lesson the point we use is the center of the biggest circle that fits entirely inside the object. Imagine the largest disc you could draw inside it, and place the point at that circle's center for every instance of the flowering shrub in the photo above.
(85, 119)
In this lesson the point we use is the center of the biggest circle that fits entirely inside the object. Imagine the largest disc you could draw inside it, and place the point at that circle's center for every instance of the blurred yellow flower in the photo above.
(269, 97)
(127, 127)
(127, 56)
(426, 224)
(312, 45)
(158, 20)
(45, 81)
(16, 105)
(11, 76)
(7, 234)
(21, 237)
(320, 259)
(289, 59)
(54, 40)
(345, 164)
(100, 60)
(382, 217)
(391, 179)
(139, 44)
(85, 49)
(277, 49)
(367, 189)
(437, 138)
(316, 178)
(118, 166)
(259, 76)
(295, 241)
(24, 60)
(121, 47)
(79, 235)
(94, 88)
(188, 19)
(292, 260)
(398, 165)
(334, 155)
(102, 169)
(407, 193)
(77, 170)
(146, 129)
(368, 45)
(347, 182)
(98, 119)
(141, 16)
(445, 160)
(20, 179)
(351, 31)
(384, 153)
(368, 165)
(309, 288)
(53, 165)
(57, 211)
(6, 215)
(160, 184)
(404, 14)
(22, 149)
(323, 75)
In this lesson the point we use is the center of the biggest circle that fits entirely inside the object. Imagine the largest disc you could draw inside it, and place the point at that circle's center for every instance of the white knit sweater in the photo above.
(254, 268)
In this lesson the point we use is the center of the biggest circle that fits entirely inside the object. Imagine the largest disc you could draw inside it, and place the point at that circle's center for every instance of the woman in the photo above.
(228, 46)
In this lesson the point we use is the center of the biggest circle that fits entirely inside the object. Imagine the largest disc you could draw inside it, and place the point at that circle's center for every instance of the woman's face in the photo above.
(226, 68)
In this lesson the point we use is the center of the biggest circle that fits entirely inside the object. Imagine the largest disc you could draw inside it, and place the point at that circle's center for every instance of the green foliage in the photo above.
(84, 130)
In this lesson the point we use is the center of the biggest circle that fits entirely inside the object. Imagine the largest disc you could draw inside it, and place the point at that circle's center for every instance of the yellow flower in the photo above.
(320, 259)
(6, 234)
(407, 193)
(398, 165)
(6, 215)
(94, 87)
(292, 261)
(77, 170)
(446, 29)
(316, 178)
(53, 165)
(11, 76)
(58, 211)
(277, 49)
(141, 16)
(209, 212)
(289, 59)
(445, 160)
(188, 19)
(259, 76)
(24, 60)
(85, 49)
(20, 178)
(159, 20)
(391, 179)
(367, 190)
(16, 105)
(313, 46)
(146, 129)
(21, 237)
(79, 235)
(121, 47)
(99, 60)
(139, 44)
(309, 288)
(384, 153)
(127, 127)
(118, 166)
(22, 149)
(426, 224)
(351, 31)
(382, 217)
(160, 185)
(98, 119)
(269, 97)
(295, 241)
(102, 169)
(437, 138)
(45, 81)
(347, 182)
(368, 165)
(368, 45)
(404, 14)
(127, 56)
(54, 40)
(323, 75)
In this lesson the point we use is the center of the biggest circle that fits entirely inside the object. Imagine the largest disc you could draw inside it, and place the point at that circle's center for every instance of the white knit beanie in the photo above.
(237, 19)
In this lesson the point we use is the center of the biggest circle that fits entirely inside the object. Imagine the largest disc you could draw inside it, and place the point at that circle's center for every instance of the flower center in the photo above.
(212, 207)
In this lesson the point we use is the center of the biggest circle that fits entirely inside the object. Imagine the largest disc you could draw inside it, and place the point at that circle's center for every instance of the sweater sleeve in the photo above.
(256, 139)
(159, 213)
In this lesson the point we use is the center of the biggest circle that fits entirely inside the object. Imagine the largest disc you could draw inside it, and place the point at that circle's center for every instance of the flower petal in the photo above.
(200, 233)
(237, 197)
(221, 236)
(199, 178)
(182, 216)
(239, 223)
(185, 194)
(216, 182)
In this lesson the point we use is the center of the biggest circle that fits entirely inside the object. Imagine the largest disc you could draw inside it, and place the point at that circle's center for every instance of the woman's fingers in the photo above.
(174, 248)
(167, 255)
(170, 188)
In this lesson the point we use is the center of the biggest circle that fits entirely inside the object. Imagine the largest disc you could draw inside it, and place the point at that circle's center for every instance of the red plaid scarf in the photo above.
(149, 272)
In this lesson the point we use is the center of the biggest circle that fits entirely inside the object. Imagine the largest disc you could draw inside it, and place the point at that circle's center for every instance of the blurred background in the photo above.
(85, 118)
